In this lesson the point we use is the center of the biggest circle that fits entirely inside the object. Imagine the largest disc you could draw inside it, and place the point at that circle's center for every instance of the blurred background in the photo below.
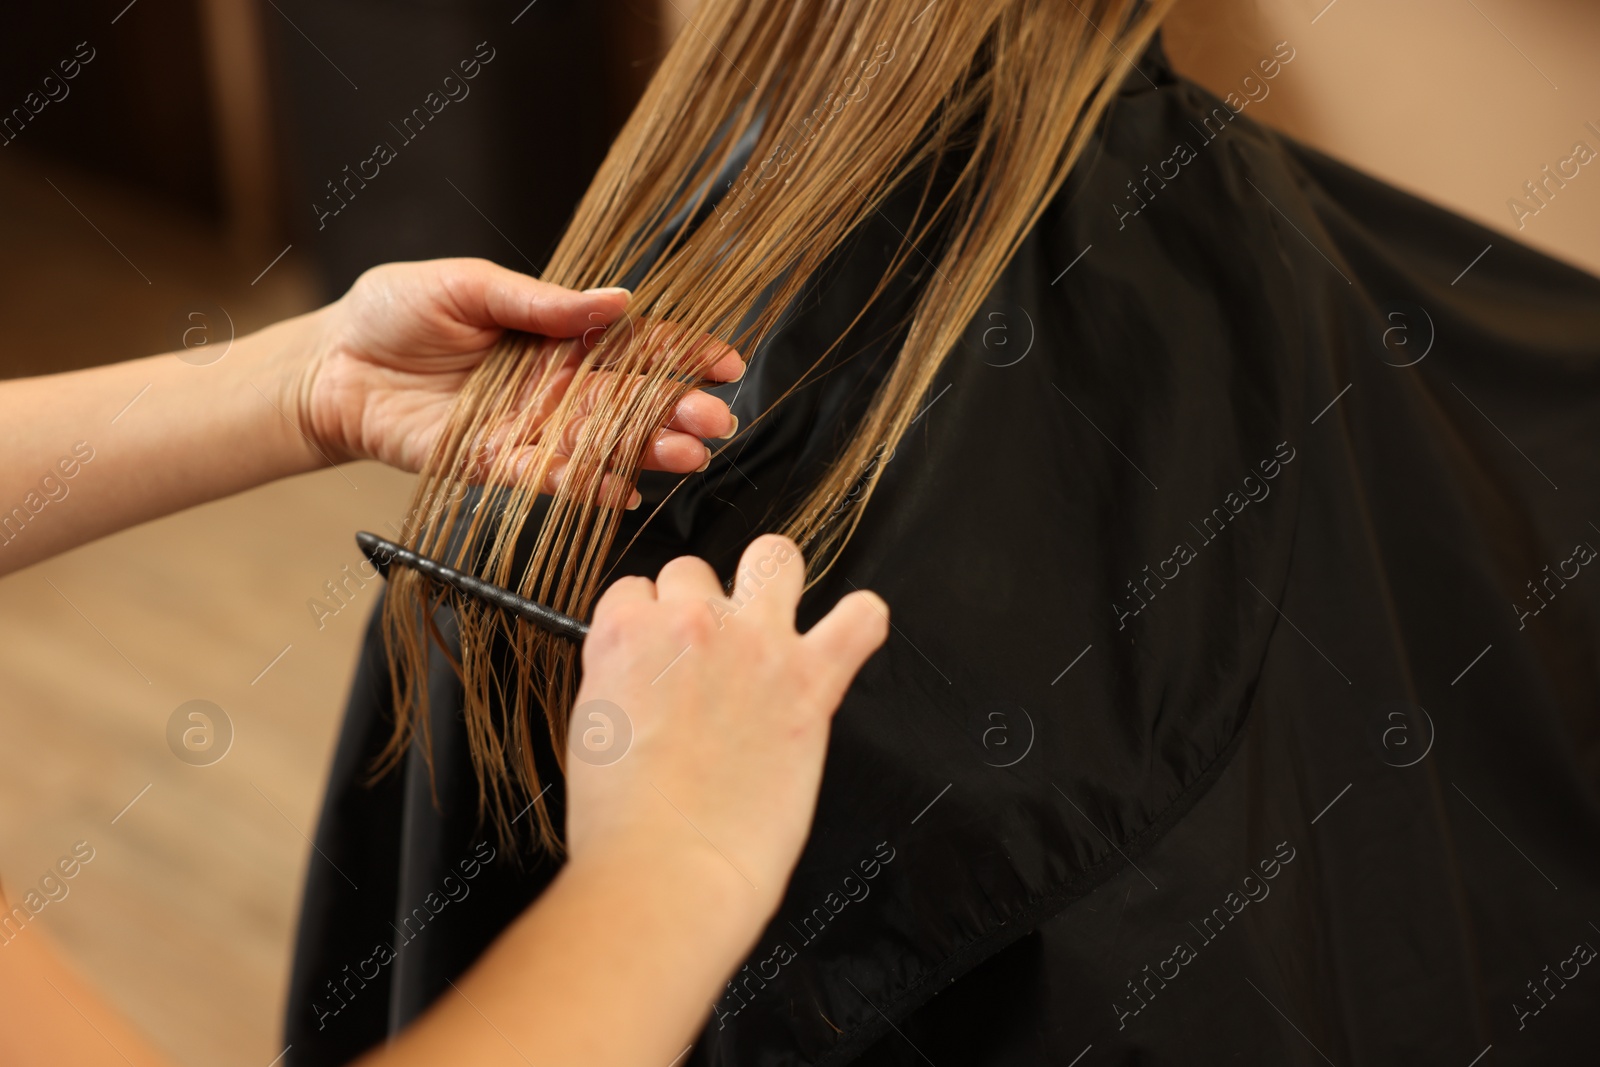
(195, 164)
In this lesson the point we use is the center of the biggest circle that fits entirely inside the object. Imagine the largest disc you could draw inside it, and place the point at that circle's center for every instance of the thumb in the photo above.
(488, 295)
(842, 642)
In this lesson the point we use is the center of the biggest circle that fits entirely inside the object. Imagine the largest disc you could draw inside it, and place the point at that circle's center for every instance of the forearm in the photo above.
(94, 451)
(607, 969)
(44, 1006)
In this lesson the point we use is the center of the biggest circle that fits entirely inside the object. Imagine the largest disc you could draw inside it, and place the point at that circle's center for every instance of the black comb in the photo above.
(384, 553)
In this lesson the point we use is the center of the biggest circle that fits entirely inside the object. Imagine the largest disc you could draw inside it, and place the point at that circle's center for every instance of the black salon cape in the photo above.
(1241, 701)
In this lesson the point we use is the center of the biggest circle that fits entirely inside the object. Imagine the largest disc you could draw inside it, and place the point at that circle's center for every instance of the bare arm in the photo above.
(192, 434)
(50, 1016)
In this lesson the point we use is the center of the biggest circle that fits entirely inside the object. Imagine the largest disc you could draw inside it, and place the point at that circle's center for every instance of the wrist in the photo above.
(274, 369)
(697, 884)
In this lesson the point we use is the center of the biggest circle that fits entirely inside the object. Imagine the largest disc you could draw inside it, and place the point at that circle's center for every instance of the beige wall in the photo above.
(1458, 101)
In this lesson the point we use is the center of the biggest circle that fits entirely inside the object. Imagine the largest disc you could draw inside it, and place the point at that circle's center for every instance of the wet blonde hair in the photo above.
(846, 101)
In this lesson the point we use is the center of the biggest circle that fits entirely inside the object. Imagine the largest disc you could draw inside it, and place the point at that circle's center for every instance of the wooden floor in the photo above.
(184, 915)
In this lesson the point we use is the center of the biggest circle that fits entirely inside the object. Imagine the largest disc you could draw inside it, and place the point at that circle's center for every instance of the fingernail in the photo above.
(878, 602)
(608, 291)
(733, 431)
(706, 464)
(635, 500)
(743, 366)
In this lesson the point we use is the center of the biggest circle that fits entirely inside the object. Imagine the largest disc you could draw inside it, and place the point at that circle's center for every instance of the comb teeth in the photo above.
(385, 554)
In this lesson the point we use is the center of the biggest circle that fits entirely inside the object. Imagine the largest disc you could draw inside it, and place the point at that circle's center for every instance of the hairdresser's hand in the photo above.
(729, 710)
(385, 361)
